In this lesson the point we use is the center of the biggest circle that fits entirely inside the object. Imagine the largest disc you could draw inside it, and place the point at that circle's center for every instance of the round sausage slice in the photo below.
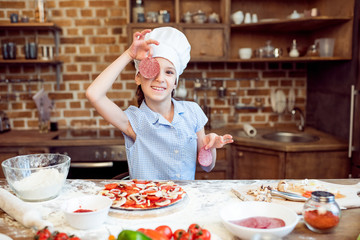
(205, 157)
(149, 67)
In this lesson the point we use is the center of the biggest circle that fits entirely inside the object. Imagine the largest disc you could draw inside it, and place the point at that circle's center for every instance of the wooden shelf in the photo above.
(182, 25)
(290, 59)
(29, 61)
(220, 42)
(48, 26)
(291, 25)
(30, 25)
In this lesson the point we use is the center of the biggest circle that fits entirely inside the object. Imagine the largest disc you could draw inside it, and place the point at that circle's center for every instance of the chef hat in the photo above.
(173, 46)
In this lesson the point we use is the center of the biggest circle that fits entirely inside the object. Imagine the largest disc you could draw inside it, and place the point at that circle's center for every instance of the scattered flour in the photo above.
(40, 185)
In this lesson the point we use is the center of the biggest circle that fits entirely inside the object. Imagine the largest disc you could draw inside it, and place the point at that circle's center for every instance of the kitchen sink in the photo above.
(290, 137)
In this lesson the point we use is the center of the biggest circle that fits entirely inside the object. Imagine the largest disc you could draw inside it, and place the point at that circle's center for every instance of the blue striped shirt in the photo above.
(163, 150)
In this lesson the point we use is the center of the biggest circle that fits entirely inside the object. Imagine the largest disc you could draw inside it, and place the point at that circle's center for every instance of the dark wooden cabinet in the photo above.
(222, 169)
(257, 163)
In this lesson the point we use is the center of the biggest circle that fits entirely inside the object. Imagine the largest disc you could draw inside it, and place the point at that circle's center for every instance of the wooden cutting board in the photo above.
(351, 193)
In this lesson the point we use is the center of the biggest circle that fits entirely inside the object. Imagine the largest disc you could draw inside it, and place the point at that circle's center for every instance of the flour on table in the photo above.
(40, 185)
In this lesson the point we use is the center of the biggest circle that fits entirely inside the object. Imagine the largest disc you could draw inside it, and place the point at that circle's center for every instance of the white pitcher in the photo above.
(237, 17)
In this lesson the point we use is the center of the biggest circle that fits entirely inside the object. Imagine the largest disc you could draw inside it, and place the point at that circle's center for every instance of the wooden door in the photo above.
(250, 163)
(356, 119)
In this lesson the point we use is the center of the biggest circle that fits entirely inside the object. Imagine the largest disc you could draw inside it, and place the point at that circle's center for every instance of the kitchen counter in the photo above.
(326, 142)
(32, 138)
(65, 137)
(205, 199)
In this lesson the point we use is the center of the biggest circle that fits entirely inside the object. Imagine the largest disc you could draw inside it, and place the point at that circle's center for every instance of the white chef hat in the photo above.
(173, 46)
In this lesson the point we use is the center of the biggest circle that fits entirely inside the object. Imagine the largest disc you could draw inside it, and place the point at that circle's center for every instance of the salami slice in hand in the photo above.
(149, 67)
(205, 157)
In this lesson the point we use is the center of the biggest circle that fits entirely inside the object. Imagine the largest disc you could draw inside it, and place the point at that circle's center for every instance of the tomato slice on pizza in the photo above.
(141, 195)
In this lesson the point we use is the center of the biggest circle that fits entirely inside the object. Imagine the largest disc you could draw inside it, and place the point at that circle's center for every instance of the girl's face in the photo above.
(160, 87)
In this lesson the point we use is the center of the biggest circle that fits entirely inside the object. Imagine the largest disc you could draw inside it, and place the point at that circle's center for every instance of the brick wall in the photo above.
(93, 35)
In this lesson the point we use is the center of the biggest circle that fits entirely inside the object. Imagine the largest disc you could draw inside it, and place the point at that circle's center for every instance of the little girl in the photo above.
(162, 136)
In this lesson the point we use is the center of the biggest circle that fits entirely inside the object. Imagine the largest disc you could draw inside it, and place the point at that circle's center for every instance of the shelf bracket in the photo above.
(58, 76)
(57, 41)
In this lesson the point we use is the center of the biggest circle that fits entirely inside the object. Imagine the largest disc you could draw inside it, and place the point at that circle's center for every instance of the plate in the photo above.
(273, 99)
(291, 100)
(280, 101)
(4, 237)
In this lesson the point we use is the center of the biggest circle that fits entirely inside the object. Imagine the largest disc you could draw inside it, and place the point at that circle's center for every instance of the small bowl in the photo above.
(245, 53)
(199, 17)
(99, 207)
(249, 209)
(36, 177)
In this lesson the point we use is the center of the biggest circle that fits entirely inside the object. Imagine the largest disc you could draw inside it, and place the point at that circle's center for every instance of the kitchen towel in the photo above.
(249, 130)
(43, 104)
(24, 213)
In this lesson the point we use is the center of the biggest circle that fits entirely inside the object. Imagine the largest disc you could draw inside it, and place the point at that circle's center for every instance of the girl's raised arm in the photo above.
(96, 92)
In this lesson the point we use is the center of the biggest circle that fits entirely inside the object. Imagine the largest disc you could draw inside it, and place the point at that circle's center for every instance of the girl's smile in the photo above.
(164, 83)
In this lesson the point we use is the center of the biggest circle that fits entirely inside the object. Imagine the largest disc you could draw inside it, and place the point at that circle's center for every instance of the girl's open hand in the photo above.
(212, 140)
(140, 48)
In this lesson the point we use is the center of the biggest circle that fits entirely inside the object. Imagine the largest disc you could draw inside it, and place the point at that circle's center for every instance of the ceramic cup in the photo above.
(247, 18)
(11, 50)
(238, 17)
(254, 18)
(31, 50)
(245, 53)
(326, 46)
(14, 18)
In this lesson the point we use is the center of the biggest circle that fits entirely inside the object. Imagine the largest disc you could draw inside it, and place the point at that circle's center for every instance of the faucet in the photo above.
(301, 124)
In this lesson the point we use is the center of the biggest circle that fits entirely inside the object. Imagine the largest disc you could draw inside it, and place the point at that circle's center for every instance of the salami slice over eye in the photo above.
(205, 157)
(149, 67)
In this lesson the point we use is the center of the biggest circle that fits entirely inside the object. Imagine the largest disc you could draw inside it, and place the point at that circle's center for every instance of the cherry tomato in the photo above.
(43, 234)
(185, 236)
(60, 236)
(153, 234)
(165, 230)
(178, 233)
(193, 229)
(203, 234)
(76, 238)
(111, 186)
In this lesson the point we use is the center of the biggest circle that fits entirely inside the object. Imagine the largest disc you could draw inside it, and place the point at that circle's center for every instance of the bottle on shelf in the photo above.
(40, 12)
(294, 51)
(137, 10)
(53, 118)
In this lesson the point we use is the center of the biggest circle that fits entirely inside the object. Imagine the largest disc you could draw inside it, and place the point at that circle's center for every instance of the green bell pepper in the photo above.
(132, 235)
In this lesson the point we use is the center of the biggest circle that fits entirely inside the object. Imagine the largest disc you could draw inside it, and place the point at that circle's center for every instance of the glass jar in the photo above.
(321, 213)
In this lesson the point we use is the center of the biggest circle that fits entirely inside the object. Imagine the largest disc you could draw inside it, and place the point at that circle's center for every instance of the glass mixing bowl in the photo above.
(36, 177)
